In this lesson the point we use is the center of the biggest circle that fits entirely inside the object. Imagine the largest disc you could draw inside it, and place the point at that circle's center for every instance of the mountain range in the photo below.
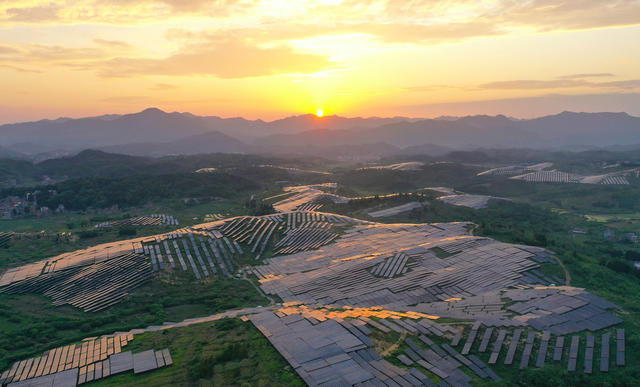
(153, 132)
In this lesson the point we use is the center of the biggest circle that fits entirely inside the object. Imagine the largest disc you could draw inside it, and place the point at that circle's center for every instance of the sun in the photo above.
(319, 113)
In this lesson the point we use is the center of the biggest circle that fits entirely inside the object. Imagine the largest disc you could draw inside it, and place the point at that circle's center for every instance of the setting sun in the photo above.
(319, 113)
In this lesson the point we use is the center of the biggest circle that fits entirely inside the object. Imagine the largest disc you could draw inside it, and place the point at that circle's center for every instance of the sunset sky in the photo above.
(270, 59)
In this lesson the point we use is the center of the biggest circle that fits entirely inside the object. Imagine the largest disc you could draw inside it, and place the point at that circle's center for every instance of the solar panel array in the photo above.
(331, 352)
(303, 230)
(562, 310)
(308, 198)
(90, 360)
(549, 177)
(466, 200)
(396, 210)
(152, 220)
(514, 344)
(93, 287)
(347, 272)
(5, 237)
(615, 180)
(410, 271)
(200, 253)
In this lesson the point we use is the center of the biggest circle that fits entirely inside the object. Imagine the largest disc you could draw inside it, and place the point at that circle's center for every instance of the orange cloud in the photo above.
(231, 59)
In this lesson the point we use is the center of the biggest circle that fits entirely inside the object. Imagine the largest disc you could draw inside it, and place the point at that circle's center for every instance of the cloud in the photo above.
(57, 54)
(18, 69)
(562, 83)
(528, 84)
(420, 22)
(629, 84)
(432, 88)
(530, 107)
(407, 33)
(163, 86)
(548, 15)
(384, 32)
(7, 50)
(111, 43)
(45, 56)
(230, 59)
(222, 57)
(39, 13)
(187, 6)
(393, 20)
(587, 75)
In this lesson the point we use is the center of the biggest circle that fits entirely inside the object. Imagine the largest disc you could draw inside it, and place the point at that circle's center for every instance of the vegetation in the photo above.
(84, 193)
(93, 163)
(223, 353)
(29, 324)
(377, 181)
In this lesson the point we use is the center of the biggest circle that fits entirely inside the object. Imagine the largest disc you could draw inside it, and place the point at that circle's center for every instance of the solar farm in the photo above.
(308, 197)
(91, 360)
(342, 285)
(541, 173)
(152, 220)
(466, 200)
(395, 210)
(406, 166)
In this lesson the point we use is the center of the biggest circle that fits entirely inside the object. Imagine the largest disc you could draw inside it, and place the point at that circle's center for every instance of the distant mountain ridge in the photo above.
(153, 132)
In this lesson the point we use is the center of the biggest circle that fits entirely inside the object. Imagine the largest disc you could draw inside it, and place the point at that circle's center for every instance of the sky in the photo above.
(271, 59)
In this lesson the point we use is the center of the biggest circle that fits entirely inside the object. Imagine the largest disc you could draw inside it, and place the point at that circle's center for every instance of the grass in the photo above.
(440, 253)
(223, 353)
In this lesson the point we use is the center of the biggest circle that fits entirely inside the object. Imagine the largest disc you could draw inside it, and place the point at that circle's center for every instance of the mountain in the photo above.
(93, 163)
(210, 142)
(93, 132)
(566, 130)
(600, 129)
(156, 126)
(6, 153)
(153, 132)
(307, 122)
(426, 149)
(455, 134)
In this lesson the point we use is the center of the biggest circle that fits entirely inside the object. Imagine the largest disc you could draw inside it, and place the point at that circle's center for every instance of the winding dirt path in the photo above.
(567, 275)
(395, 345)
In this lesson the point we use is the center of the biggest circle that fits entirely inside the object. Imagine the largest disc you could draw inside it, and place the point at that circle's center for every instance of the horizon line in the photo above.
(325, 117)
